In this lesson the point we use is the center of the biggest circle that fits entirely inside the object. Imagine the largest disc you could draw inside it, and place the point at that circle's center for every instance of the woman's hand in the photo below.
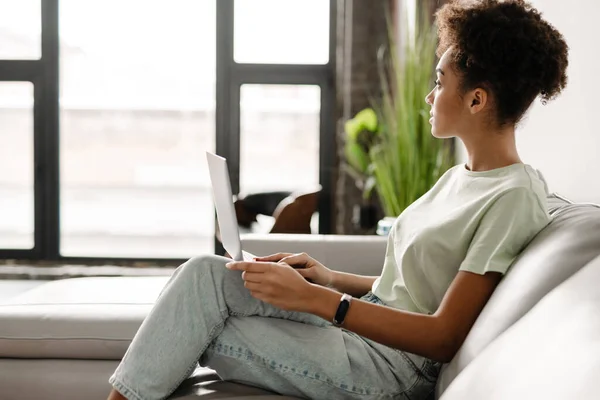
(276, 283)
(306, 266)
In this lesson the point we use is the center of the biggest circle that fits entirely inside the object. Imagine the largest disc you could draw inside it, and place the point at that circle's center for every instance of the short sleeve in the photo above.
(390, 248)
(512, 221)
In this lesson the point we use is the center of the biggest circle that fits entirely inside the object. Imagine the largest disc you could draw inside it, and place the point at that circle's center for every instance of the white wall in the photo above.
(562, 138)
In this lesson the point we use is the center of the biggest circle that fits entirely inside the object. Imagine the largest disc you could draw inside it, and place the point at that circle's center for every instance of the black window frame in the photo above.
(43, 73)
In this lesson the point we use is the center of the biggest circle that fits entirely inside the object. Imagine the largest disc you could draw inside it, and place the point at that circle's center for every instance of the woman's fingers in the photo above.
(295, 259)
(252, 276)
(273, 257)
(249, 266)
(252, 286)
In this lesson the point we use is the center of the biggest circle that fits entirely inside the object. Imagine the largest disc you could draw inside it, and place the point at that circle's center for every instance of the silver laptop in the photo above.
(228, 225)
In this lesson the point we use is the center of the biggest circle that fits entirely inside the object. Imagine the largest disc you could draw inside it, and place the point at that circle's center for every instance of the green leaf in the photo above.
(368, 119)
(352, 128)
(405, 160)
(369, 186)
(357, 157)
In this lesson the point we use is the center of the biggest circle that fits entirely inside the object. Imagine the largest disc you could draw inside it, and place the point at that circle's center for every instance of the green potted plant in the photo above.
(389, 147)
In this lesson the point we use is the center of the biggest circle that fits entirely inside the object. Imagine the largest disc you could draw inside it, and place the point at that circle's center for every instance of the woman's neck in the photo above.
(490, 150)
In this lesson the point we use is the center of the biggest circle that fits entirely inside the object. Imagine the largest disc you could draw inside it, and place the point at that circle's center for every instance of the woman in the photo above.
(445, 255)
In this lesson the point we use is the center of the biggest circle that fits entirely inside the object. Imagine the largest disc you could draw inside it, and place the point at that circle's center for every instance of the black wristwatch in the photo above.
(342, 309)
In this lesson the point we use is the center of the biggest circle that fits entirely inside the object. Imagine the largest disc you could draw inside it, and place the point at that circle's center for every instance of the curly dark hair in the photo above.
(505, 47)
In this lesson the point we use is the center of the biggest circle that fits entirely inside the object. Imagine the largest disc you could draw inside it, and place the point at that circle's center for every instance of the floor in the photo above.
(11, 288)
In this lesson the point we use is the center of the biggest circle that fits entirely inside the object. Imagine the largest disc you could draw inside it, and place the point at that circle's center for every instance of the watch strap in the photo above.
(342, 310)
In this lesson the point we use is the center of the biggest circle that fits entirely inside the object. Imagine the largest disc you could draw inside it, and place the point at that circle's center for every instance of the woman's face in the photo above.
(447, 111)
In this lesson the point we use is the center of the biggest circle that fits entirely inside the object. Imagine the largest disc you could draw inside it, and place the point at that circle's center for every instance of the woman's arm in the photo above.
(314, 271)
(437, 336)
(355, 285)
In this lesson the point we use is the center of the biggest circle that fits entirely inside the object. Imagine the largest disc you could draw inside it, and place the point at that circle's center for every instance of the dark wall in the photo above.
(357, 82)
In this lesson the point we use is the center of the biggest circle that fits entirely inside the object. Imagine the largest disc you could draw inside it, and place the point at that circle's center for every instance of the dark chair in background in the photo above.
(292, 211)
(248, 206)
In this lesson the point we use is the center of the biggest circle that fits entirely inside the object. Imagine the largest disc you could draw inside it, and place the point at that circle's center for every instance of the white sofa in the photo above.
(537, 338)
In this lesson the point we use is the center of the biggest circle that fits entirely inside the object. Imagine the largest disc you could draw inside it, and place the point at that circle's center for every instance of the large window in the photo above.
(20, 29)
(279, 141)
(16, 165)
(107, 108)
(281, 32)
(136, 115)
(285, 117)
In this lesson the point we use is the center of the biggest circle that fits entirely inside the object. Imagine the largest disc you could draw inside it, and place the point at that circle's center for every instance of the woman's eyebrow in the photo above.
(439, 70)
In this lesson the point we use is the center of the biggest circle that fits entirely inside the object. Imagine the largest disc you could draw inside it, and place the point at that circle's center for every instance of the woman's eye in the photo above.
(437, 83)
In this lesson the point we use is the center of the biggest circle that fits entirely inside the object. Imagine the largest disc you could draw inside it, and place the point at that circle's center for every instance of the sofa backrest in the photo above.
(356, 254)
(552, 353)
(568, 243)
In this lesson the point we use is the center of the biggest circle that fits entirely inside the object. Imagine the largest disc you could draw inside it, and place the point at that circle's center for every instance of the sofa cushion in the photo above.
(28, 379)
(568, 243)
(553, 352)
(89, 318)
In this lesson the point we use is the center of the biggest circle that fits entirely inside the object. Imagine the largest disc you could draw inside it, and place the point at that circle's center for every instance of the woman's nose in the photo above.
(429, 98)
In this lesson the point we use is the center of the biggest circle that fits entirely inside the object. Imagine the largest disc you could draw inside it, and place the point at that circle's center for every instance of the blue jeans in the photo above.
(205, 315)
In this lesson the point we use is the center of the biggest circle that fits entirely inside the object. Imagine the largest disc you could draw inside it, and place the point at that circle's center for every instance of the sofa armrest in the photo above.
(356, 254)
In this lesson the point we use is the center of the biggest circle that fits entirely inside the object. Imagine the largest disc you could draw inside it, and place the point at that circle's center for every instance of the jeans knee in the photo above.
(199, 265)
(204, 259)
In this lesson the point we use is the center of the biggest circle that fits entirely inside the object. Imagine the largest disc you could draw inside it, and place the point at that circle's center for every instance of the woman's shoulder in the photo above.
(528, 185)
(524, 204)
(518, 188)
(520, 180)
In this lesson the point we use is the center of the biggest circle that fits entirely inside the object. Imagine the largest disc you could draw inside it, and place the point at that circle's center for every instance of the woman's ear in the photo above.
(477, 100)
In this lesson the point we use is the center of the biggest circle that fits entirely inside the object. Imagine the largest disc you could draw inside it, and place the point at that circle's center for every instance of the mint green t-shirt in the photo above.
(469, 221)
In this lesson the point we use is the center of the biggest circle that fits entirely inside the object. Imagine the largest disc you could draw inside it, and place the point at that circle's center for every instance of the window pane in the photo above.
(281, 31)
(137, 115)
(16, 165)
(20, 29)
(279, 138)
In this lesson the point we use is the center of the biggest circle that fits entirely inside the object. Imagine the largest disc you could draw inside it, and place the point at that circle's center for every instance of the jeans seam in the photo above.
(410, 362)
(405, 392)
(428, 367)
(124, 389)
(291, 370)
(237, 314)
